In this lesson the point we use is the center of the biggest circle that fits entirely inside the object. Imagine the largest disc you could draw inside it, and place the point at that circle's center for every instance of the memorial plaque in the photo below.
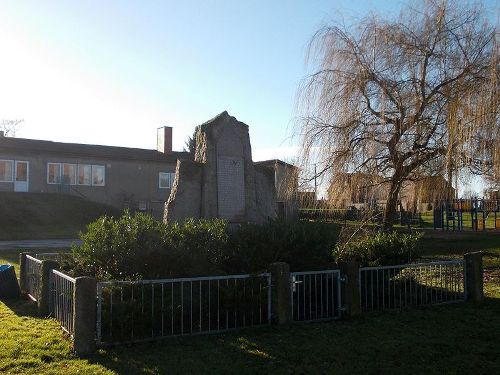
(230, 187)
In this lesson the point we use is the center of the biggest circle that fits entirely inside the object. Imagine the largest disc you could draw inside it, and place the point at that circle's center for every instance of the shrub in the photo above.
(127, 247)
(379, 249)
(137, 246)
(303, 245)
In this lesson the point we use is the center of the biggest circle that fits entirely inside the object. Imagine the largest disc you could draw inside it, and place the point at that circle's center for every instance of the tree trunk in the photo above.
(449, 190)
(392, 203)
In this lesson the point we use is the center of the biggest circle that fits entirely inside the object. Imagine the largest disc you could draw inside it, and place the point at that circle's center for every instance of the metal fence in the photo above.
(61, 299)
(50, 256)
(316, 295)
(134, 311)
(408, 285)
(33, 275)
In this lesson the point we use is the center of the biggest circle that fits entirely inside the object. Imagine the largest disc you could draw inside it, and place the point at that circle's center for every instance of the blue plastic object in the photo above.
(4, 267)
(9, 287)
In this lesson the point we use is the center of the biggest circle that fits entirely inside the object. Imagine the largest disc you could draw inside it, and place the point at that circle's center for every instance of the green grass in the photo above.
(428, 220)
(31, 345)
(459, 338)
(439, 244)
(46, 216)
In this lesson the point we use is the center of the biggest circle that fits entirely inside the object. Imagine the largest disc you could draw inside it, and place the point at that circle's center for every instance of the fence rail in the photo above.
(32, 277)
(134, 311)
(61, 299)
(401, 286)
(49, 256)
(316, 295)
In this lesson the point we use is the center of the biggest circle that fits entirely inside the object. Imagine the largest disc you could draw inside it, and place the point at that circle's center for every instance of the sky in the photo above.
(111, 72)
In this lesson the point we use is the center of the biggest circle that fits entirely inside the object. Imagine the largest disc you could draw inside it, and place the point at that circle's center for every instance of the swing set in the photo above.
(476, 214)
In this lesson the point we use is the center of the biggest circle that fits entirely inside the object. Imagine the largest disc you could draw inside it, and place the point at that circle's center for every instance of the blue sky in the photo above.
(111, 72)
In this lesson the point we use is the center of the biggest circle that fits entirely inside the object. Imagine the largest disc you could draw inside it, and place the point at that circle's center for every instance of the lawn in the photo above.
(428, 220)
(46, 216)
(459, 338)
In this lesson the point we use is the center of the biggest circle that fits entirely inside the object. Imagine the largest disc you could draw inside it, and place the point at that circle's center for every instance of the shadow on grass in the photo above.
(439, 339)
(229, 353)
(22, 306)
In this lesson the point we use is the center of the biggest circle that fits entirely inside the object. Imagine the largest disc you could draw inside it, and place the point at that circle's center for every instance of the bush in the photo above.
(139, 247)
(380, 249)
(303, 245)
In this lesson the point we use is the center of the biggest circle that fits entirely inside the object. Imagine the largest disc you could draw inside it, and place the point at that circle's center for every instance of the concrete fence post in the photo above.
(281, 304)
(22, 272)
(44, 295)
(474, 276)
(350, 273)
(84, 315)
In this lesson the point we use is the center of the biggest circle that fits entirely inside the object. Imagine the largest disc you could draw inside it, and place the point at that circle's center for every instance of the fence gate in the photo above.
(316, 295)
(33, 277)
(61, 299)
(411, 285)
(135, 311)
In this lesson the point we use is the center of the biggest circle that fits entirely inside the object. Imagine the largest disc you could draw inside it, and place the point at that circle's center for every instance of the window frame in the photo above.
(58, 178)
(11, 170)
(96, 166)
(90, 175)
(169, 181)
(75, 173)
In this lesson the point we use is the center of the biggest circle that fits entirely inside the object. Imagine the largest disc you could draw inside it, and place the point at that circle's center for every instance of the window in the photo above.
(6, 170)
(53, 173)
(75, 174)
(164, 179)
(143, 206)
(98, 175)
(69, 174)
(84, 174)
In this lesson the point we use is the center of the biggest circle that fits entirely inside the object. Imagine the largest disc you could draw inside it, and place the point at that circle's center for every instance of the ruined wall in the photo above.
(185, 198)
(228, 188)
(227, 177)
(266, 197)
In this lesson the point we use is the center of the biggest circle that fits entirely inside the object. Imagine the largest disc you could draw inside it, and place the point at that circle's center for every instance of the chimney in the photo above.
(1, 134)
(164, 140)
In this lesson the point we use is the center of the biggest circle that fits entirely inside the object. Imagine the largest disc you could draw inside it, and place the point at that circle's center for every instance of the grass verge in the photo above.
(46, 216)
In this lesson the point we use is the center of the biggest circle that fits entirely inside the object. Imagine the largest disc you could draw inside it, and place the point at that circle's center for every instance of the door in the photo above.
(21, 180)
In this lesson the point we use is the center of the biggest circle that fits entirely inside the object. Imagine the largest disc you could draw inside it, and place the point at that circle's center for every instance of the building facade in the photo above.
(119, 176)
(141, 179)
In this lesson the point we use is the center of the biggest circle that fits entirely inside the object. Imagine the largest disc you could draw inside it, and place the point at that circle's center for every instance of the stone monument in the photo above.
(222, 181)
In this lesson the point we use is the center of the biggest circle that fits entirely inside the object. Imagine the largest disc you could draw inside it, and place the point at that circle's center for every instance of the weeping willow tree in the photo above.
(403, 98)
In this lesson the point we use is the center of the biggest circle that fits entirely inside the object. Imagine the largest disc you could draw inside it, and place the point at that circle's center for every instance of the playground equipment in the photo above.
(461, 214)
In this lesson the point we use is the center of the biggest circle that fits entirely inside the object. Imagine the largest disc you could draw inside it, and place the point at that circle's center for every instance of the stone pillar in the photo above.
(281, 304)
(350, 299)
(22, 272)
(474, 276)
(84, 315)
(44, 295)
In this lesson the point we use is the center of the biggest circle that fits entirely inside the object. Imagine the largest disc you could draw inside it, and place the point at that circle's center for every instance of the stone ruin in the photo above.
(222, 181)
